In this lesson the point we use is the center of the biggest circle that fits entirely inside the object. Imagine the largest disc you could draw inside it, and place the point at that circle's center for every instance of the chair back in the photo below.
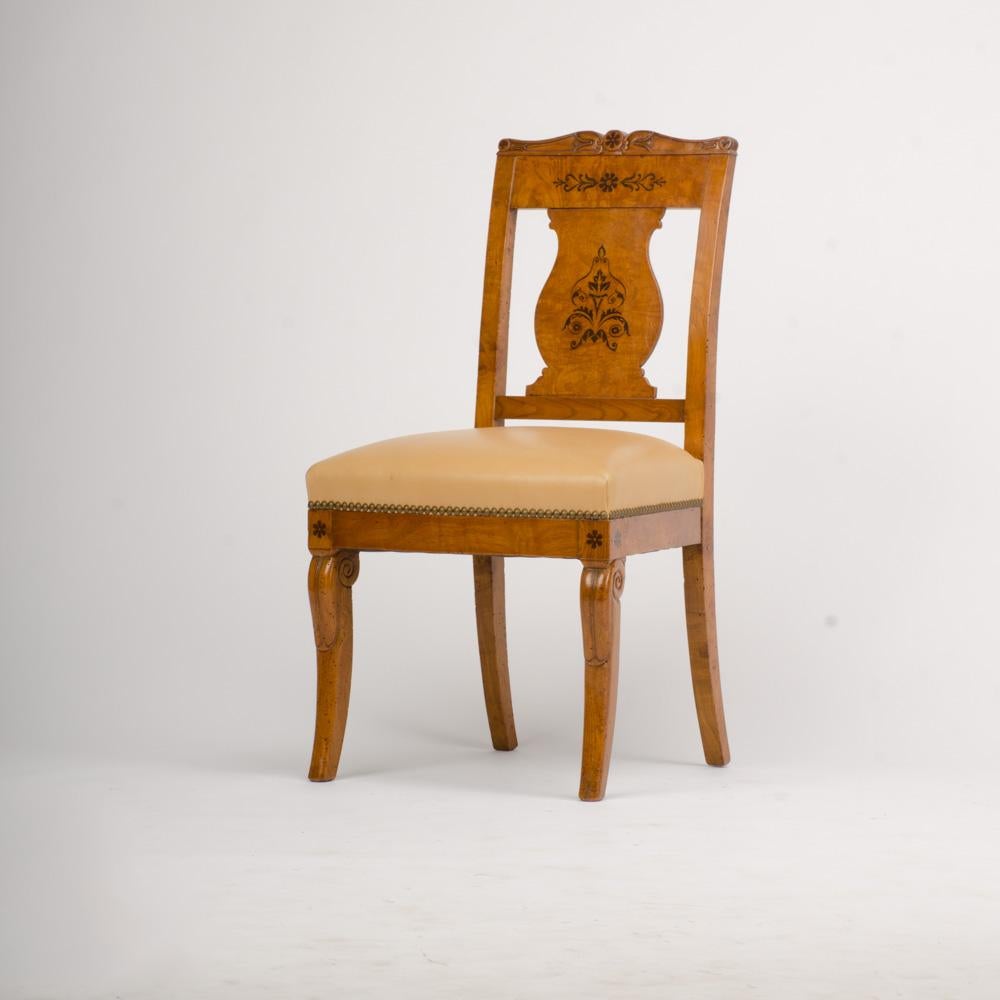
(599, 314)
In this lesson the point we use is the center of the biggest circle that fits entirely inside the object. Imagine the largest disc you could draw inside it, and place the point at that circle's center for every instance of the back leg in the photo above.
(699, 601)
(491, 625)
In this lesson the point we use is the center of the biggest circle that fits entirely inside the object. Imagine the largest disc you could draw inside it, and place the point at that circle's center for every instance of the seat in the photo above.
(598, 496)
(511, 472)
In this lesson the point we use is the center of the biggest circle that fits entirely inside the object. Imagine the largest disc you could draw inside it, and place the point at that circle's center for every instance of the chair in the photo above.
(599, 496)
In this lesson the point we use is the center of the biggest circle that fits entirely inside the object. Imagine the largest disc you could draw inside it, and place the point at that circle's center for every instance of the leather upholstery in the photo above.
(511, 470)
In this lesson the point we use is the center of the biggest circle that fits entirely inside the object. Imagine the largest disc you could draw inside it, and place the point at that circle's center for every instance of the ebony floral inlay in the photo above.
(575, 182)
(318, 529)
(644, 181)
(597, 299)
(594, 539)
(608, 181)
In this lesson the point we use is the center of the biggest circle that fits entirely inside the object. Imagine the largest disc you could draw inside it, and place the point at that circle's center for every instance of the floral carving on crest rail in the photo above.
(617, 142)
(614, 141)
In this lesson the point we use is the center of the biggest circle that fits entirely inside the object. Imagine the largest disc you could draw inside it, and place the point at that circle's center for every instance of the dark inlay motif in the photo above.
(597, 299)
(318, 529)
(594, 539)
(645, 181)
(608, 181)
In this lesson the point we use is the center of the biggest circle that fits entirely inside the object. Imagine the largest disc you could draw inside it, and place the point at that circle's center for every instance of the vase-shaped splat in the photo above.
(599, 315)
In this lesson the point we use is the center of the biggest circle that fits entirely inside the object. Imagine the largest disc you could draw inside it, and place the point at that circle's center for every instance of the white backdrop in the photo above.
(239, 237)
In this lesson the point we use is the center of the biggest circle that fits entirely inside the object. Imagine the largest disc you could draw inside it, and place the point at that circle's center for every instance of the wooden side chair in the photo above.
(569, 492)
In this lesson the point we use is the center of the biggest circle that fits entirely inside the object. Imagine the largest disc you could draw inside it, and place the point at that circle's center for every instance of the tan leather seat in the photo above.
(511, 471)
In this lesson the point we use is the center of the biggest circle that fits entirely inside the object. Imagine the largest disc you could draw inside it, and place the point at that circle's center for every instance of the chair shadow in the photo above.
(543, 766)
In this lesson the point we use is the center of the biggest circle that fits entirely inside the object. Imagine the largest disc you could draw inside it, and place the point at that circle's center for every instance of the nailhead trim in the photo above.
(567, 515)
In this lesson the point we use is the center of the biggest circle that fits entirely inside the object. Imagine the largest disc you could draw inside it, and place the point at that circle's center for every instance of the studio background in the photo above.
(239, 237)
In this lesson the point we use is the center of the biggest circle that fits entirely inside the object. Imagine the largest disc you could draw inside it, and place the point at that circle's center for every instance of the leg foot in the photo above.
(600, 594)
(491, 625)
(330, 580)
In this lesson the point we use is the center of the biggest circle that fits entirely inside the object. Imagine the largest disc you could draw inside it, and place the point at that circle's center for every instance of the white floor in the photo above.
(466, 873)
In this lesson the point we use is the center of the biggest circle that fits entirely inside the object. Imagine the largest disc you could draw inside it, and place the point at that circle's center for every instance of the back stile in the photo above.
(493, 334)
(699, 410)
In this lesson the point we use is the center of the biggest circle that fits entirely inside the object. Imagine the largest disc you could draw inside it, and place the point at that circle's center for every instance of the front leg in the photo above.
(330, 580)
(601, 588)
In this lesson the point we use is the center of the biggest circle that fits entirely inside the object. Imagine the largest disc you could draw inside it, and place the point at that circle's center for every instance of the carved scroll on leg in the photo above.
(600, 611)
(491, 626)
(330, 580)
